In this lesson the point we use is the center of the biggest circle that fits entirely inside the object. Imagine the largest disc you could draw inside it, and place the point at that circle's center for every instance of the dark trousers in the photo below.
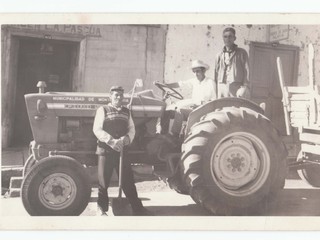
(106, 164)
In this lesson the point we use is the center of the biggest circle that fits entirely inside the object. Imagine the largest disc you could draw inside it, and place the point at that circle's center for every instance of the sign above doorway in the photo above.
(276, 33)
(85, 30)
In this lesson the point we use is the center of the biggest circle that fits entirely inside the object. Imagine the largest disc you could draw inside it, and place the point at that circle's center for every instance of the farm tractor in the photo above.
(229, 157)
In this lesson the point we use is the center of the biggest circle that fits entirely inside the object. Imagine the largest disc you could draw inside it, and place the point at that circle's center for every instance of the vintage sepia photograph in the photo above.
(185, 119)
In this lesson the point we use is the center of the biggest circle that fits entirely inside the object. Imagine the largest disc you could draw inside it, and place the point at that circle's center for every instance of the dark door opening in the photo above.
(264, 77)
(39, 60)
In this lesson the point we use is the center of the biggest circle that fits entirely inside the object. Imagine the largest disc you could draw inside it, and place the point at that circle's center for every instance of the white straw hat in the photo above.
(199, 63)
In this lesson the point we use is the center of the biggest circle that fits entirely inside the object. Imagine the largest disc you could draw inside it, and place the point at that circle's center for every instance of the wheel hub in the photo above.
(235, 162)
(57, 191)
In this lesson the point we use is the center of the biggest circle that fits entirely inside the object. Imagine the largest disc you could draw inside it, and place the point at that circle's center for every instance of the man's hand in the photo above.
(117, 144)
(126, 140)
(243, 92)
(194, 106)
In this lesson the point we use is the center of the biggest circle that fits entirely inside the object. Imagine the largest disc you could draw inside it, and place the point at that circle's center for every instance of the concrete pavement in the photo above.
(162, 203)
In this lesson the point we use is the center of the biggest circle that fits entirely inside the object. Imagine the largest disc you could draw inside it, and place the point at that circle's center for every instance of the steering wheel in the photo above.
(168, 91)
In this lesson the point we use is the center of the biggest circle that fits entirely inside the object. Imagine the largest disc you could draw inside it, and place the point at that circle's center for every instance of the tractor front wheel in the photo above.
(56, 186)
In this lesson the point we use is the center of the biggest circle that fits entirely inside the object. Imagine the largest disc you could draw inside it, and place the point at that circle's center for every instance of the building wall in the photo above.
(188, 42)
(123, 54)
(301, 36)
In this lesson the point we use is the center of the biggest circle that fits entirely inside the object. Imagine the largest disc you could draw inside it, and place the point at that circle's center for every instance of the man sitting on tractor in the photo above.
(203, 90)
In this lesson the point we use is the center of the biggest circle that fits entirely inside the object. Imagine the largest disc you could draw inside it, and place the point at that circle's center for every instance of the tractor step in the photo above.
(8, 173)
(15, 186)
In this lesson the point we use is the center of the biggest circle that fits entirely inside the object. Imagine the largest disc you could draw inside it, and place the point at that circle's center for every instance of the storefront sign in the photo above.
(278, 32)
(88, 30)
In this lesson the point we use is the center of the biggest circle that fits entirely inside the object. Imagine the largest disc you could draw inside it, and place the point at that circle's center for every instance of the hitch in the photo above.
(302, 164)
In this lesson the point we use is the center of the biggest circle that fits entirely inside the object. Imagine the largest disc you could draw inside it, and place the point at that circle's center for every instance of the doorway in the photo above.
(40, 60)
(264, 77)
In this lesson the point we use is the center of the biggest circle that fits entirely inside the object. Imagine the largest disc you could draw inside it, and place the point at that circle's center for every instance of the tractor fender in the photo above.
(209, 107)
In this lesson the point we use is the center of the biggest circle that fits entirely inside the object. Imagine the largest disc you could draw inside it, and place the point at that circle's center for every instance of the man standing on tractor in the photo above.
(203, 91)
(231, 73)
(114, 128)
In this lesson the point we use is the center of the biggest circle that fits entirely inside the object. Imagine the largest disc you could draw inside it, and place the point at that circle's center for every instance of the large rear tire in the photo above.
(232, 161)
(56, 186)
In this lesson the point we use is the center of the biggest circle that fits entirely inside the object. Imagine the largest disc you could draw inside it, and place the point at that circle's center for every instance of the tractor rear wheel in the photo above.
(56, 186)
(233, 159)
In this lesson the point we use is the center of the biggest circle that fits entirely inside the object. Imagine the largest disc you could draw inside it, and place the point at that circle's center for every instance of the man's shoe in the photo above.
(102, 213)
(142, 212)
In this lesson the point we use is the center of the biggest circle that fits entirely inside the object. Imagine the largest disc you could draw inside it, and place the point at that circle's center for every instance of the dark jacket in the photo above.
(239, 67)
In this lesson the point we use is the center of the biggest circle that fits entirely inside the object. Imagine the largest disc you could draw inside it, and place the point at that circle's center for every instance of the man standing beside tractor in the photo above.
(231, 73)
(114, 128)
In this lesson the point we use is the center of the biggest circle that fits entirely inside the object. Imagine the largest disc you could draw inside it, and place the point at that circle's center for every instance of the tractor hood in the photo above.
(45, 109)
(85, 104)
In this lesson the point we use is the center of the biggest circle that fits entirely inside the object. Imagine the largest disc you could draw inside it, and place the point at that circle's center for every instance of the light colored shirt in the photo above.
(202, 92)
(102, 135)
